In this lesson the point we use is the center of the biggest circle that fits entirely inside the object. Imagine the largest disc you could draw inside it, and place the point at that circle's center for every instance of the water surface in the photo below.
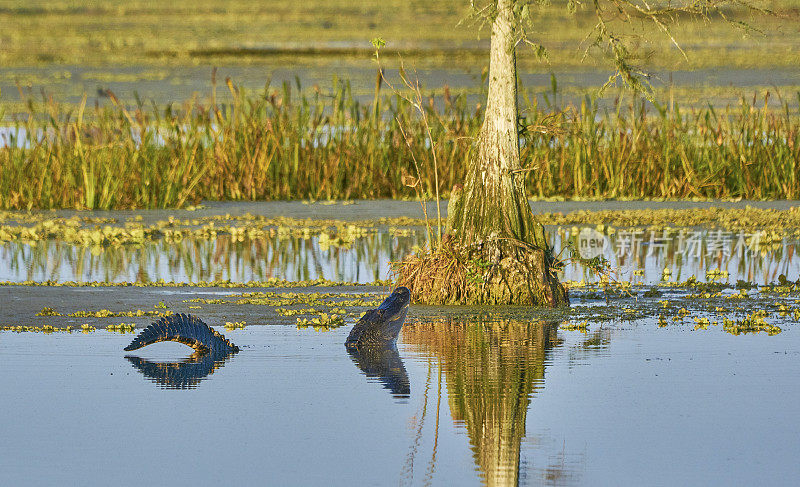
(491, 399)
(635, 254)
(658, 390)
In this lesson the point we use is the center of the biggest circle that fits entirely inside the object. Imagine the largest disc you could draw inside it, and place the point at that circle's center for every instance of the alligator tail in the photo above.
(186, 329)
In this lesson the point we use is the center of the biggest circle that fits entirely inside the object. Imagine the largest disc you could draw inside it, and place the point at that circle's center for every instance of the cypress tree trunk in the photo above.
(491, 216)
(493, 202)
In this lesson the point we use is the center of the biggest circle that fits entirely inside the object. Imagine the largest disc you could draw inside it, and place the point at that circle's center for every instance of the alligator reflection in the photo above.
(186, 374)
(383, 363)
(492, 368)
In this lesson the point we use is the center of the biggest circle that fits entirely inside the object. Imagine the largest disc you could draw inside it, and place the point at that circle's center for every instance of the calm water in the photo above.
(496, 396)
(636, 254)
(182, 82)
(490, 400)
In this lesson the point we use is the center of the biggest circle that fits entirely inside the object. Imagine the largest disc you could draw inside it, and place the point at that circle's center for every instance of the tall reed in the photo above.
(284, 144)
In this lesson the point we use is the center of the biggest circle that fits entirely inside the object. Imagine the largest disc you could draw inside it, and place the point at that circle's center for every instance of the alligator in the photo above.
(385, 365)
(377, 327)
(380, 327)
(371, 344)
(186, 329)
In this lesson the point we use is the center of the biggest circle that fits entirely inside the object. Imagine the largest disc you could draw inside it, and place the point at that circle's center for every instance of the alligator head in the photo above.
(372, 343)
(382, 325)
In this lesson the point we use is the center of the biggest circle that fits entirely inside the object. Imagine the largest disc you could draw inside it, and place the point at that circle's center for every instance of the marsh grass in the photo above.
(287, 144)
(747, 151)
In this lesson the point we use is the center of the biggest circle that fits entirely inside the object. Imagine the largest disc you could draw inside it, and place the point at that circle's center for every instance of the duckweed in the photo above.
(716, 274)
(48, 311)
(773, 225)
(323, 322)
(754, 322)
(703, 323)
(582, 327)
(122, 327)
(235, 325)
(280, 300)
(105, 313)
(36, 329)
(292, 312)
(269, 283)
(687, 304)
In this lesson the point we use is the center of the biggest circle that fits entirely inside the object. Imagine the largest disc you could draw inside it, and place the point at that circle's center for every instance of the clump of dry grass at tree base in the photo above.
(454, 274)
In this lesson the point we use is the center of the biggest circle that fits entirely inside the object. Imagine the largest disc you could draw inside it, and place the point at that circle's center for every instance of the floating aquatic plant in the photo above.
(121, 327)
(754, 322)
(105, 313)
(235, 325)
(48, 311)
(323, 322)
(582, 326)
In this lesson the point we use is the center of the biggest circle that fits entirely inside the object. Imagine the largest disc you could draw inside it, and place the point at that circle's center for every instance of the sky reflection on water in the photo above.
(635, 254)
(496, 401)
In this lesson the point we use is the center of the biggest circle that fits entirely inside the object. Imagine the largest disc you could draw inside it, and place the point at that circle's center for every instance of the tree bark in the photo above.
(494, 203)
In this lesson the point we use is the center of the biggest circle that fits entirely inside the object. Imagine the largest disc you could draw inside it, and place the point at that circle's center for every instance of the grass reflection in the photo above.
(636, 254)
(194, 260)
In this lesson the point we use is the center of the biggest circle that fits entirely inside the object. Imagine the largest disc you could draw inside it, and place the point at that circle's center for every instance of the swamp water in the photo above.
(473, 395)
(648, 383)
(636, 254)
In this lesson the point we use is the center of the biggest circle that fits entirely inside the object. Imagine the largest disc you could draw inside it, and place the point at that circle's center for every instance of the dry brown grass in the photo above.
(492, 272)
(442, 276)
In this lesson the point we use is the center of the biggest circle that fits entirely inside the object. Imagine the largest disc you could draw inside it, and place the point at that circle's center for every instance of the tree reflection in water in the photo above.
(491, 370)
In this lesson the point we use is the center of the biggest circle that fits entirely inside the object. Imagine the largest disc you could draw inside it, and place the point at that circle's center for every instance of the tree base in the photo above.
(500, 271)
